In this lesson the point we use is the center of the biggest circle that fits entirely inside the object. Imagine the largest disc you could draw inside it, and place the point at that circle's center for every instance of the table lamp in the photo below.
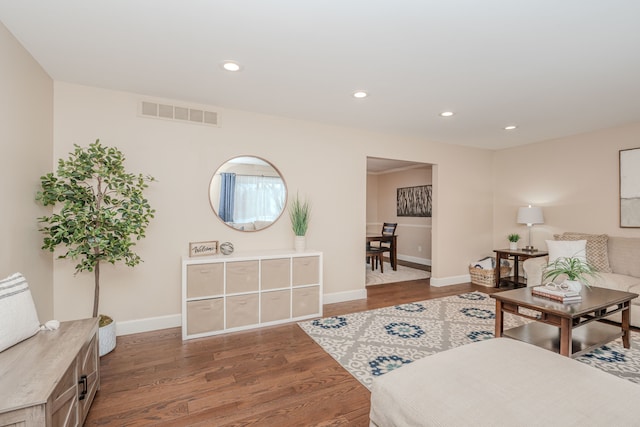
(530, 215)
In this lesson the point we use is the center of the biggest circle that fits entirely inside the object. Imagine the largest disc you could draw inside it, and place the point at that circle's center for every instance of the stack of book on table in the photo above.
(556, 294)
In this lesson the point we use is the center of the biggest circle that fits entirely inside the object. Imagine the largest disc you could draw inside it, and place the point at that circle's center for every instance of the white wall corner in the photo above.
(453, 280)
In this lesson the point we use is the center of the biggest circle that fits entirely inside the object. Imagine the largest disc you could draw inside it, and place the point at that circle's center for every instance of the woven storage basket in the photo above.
(483, 277)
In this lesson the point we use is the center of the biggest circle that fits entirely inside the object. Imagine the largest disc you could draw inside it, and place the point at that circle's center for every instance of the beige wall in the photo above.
(26, 152)
(325, 163)
(574, 179)
(414, 234)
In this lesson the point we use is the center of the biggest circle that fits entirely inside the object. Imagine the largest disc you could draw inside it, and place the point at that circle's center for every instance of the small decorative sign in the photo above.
(203, 248)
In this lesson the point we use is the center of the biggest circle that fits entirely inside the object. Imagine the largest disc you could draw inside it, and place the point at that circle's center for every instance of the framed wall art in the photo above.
(630, 188)
(414, 201)
(203, 248)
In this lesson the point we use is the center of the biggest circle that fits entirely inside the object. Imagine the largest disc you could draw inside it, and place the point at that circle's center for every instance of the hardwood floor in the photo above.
(275, 376)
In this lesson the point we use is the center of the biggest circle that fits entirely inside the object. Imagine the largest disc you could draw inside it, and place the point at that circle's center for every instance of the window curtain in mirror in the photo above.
(227, 196)
(258, 198)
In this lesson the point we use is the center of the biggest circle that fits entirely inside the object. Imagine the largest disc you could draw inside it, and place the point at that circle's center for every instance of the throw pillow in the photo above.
(566, 249)
(597, 248)
(18, 317)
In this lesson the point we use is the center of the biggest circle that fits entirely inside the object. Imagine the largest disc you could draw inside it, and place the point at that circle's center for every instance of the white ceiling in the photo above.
(552, 67)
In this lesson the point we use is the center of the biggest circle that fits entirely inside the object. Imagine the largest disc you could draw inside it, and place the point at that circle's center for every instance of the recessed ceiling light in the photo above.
(360, 94)
(510, 127)
(231, 66)
(446, 113)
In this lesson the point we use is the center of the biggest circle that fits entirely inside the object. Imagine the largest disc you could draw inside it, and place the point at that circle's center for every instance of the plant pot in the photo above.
(107, 338)
(574, 285)
(300, 243)
(513, 246)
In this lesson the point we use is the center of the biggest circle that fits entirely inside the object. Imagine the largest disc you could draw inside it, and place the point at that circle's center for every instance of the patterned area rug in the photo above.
(402, 274)
(371, 343)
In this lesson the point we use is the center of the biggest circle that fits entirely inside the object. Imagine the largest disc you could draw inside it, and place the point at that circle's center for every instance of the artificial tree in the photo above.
(103, 210)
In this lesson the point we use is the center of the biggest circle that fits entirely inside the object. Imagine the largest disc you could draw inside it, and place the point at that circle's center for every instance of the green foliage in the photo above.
(573, 268)
(102, 209)
(300, 214)
(513, 237)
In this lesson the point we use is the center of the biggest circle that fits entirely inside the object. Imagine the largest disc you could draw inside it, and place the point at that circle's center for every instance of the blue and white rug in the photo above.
(371, 343)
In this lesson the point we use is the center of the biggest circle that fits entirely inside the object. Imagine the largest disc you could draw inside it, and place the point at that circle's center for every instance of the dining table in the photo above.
(392, 240)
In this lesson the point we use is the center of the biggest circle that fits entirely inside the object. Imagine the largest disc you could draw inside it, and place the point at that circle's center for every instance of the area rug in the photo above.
(402, 274)
(374, 342)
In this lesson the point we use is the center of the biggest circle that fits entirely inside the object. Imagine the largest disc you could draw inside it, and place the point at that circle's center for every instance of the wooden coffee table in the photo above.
(569, 329)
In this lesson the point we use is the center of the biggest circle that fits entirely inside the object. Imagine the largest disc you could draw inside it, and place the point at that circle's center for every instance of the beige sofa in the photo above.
(617, 259)
(501, 382)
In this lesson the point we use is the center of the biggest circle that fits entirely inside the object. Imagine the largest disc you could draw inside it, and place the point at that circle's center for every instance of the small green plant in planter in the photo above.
(300, 215)
(102, 212)
(513, 241)
(577, 271)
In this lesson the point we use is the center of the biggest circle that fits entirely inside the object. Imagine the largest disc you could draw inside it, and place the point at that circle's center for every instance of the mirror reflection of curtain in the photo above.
(258, 198)
(227, 196)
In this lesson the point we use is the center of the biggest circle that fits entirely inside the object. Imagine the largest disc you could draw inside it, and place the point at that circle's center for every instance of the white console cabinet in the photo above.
(226, 293)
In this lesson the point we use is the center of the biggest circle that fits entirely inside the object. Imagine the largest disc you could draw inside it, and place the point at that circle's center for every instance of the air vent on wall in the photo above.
(174, 112)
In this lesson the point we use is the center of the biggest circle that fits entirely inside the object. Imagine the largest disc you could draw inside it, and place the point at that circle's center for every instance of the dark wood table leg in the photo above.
(565, 337)
(394, 253)
(499, 319)
(499, 256)
(626, 321)
(516, 274)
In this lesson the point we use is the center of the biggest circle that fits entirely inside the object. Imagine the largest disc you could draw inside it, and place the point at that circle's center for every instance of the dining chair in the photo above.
(388, 229)
(374, 256)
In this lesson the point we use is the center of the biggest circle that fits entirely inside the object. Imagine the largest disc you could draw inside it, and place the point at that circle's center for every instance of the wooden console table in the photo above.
(517, 255)
(51, 378)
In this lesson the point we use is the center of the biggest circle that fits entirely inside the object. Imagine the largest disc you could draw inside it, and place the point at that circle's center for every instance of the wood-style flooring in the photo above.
(275, 376)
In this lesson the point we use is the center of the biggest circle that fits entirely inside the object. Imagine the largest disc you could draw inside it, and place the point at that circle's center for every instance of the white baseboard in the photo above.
(344, 296)
(128, 327)
(453, 280)
(414, 259)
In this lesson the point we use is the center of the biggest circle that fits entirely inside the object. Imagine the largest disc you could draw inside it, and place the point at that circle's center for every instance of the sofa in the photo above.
(617, 260)
(501, 382)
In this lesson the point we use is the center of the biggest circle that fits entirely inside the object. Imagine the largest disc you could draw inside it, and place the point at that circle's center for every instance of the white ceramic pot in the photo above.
(574, 285)
(107, 338)
(300, 243)
(513, 246)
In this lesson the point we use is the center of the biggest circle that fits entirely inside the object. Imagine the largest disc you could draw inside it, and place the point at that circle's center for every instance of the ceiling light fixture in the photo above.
(446, 113)
(359, 94)
(231, 66)
(510, 127)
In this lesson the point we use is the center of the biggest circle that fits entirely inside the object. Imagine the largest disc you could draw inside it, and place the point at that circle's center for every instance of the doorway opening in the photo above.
(400, 191)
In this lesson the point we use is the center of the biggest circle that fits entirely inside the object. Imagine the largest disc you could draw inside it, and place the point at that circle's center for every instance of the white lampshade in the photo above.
(530, 215)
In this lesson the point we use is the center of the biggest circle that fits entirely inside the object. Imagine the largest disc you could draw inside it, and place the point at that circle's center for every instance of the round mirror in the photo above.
(248, 193)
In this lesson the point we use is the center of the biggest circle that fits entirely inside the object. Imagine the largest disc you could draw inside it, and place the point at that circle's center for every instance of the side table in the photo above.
(517, 255)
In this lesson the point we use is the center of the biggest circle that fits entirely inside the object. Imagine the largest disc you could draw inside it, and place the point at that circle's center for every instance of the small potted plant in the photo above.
(513, 241)
(576, 270)
(300, 214)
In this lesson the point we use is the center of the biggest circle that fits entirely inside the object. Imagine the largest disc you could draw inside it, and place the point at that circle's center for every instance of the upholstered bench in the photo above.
(502, 382)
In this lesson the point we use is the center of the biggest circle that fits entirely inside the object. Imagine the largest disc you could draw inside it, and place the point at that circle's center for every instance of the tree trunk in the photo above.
(96, 291)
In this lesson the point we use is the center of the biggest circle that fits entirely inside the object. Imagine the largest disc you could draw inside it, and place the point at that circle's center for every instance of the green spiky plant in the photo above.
(574, 268)
(513, 237)
(300, 214)
(102, 210)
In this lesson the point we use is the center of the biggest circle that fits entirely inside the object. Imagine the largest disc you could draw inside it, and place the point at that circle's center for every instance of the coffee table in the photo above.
(570, 329)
